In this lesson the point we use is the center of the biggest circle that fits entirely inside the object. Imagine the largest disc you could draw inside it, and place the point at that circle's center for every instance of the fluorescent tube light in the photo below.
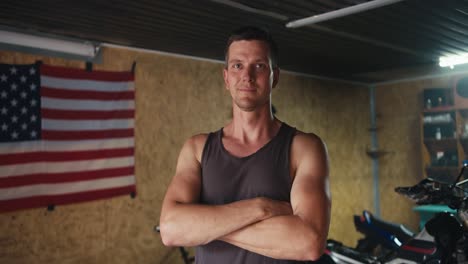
(340, 13)
(450, 61)
(83, 49)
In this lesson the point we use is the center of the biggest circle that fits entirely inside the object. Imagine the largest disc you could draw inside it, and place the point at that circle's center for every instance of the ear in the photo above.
(225, 76)
(276, 73)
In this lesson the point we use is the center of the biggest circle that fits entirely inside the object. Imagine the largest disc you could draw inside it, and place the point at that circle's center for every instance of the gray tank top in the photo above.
(226, 179)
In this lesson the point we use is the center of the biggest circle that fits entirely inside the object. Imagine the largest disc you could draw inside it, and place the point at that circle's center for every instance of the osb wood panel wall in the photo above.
(399, 109)
(176, 98)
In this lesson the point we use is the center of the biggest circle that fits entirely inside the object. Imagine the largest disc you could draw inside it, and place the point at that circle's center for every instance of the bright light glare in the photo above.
(397, 241)
(450, 61)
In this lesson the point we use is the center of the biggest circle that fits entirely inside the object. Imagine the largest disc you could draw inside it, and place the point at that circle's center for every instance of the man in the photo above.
(256, 191)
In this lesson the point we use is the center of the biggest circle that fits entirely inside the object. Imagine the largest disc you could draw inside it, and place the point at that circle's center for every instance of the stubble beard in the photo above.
(249, 105)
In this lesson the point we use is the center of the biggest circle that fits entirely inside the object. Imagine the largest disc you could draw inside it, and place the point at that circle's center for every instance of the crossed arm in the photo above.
(295, 230)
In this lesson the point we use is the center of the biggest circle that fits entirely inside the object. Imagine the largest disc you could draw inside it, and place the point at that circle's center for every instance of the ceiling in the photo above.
(399, 40)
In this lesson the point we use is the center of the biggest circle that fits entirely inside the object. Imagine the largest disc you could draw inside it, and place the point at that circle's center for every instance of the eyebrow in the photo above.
(255, 61)
(234, 60)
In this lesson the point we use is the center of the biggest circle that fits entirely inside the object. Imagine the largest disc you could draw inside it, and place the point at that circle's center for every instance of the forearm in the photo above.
(196, 224)
(280, 237)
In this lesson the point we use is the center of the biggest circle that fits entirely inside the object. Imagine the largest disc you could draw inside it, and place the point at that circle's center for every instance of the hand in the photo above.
(273, 208)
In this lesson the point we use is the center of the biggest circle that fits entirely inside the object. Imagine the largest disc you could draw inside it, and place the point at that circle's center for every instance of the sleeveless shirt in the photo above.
(226, 179)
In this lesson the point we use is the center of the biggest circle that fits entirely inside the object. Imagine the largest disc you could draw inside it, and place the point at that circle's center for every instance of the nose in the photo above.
(248, 75)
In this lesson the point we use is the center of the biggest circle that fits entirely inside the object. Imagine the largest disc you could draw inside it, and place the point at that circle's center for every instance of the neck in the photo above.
(253, 126)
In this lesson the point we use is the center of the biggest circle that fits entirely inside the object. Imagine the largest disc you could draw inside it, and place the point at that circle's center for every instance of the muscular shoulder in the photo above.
(308, 148)
(195, 145)
(303, 141)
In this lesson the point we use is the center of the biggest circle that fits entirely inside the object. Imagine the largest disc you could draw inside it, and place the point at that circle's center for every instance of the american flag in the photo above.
(66, 135)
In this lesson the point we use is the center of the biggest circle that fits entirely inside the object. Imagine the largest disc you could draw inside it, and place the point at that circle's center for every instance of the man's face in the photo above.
(249, 76)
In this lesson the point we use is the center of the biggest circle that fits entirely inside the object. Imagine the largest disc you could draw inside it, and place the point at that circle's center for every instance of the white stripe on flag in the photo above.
(73, 125)
(67, 166)
(65, 188)
(73, 104)
(86, 85)
(38, 145)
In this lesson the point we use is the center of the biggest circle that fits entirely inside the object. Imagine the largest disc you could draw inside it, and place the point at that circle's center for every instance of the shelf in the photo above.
(440, 123)
(434, 145)
(448, 122)
(440, 109)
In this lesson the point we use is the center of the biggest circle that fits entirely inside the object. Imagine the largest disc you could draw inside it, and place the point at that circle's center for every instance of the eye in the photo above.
(236, 65)
(260, 66)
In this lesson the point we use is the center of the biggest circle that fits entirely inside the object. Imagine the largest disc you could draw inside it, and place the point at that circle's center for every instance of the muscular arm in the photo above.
(300, 236)
(185, 222)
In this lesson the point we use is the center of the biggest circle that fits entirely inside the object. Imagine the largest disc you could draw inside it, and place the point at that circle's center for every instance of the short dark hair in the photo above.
(253, 33)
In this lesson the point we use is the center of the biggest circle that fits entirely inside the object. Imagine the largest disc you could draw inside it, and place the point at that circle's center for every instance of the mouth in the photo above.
(247, 89)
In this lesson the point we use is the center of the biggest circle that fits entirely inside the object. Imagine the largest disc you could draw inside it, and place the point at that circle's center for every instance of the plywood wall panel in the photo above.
(176, 98)
(351, 180)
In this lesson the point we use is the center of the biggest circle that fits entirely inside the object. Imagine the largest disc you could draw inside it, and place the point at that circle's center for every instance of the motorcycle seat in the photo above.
(369, 221)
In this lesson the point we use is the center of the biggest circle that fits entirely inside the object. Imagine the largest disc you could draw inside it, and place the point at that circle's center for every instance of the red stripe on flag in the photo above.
(71, 73)
(28, 157)
(86, 134)
(86, 115)
(91, 95)
(42, 201)
(39, 178)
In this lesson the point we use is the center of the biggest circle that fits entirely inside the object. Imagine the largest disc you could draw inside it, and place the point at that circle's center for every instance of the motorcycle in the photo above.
(442, 241)
(380, 236)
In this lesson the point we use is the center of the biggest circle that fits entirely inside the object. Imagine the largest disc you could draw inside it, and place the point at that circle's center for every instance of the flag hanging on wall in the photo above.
(66, 135)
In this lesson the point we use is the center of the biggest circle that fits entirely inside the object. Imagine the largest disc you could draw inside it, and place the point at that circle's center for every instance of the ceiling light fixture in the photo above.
(451, 61)
(340, 13)
(82, 49)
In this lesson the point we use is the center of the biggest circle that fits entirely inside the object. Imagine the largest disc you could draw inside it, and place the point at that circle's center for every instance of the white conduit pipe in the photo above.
(340, 13)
